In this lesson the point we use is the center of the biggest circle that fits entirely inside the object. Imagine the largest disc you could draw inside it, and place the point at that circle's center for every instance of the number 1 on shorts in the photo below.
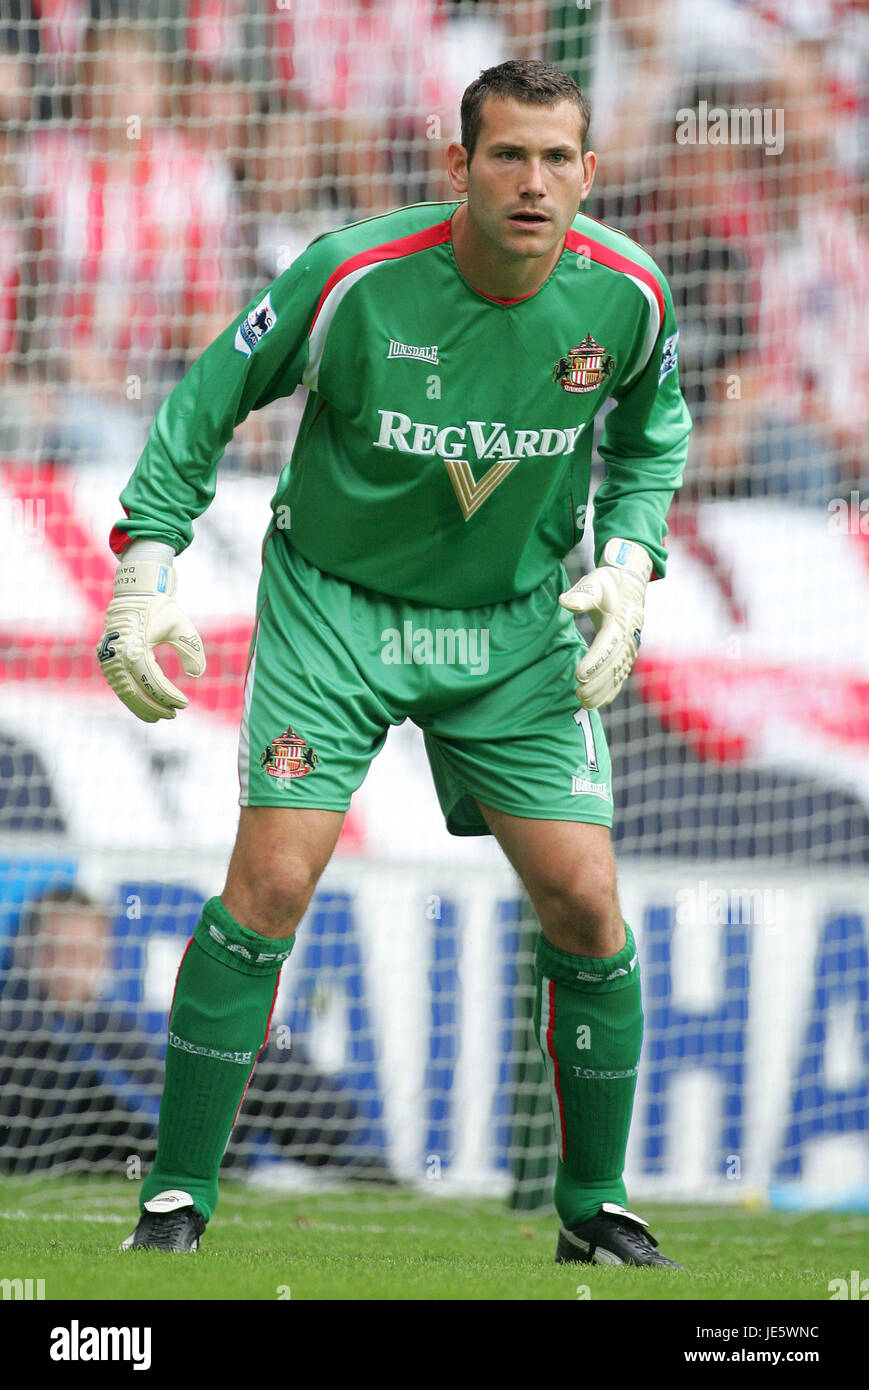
(583, 719)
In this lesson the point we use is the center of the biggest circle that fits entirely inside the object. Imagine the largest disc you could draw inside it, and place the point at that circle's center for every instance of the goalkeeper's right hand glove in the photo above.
(142, 614)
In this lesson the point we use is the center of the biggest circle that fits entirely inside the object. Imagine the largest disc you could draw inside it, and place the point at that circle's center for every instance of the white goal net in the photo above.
(160, 163)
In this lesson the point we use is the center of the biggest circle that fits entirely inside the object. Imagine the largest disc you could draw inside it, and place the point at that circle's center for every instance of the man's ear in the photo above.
(589, 164)
(457, 167)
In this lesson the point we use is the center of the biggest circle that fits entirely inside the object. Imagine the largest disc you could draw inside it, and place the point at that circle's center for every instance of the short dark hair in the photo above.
(526, 80)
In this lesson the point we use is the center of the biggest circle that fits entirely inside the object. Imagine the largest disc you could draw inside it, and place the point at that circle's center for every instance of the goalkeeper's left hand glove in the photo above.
(614, 596)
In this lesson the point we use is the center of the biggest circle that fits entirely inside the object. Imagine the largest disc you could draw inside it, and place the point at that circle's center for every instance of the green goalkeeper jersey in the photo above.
(444, 454)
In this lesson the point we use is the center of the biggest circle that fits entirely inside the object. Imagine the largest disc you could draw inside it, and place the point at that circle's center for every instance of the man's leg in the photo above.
(301, 757)
(588, 1013)
(226, 988)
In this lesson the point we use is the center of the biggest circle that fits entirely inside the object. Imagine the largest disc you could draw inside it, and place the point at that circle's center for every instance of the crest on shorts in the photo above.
(584, 367)
(288, 755)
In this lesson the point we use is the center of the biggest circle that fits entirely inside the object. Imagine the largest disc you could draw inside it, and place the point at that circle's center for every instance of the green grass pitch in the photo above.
(367, 1245)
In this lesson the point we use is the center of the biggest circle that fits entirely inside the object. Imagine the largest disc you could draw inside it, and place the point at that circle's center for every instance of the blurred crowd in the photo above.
(160, 163)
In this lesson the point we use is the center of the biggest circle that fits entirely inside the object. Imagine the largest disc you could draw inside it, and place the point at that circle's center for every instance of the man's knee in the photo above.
(579, 909)
(270, 900)
(569, 871)
(275, 867)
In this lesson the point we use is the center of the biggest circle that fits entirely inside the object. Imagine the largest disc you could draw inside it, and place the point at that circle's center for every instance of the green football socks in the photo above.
(589, 1021)
(218, 1023)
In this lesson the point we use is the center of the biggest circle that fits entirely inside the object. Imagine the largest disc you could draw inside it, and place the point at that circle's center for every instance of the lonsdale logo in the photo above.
(488, 441)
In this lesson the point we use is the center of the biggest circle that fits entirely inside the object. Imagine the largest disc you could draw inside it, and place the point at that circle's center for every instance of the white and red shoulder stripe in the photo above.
(349, 273)
(646, 281)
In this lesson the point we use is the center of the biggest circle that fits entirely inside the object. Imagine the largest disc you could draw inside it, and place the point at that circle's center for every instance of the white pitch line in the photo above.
(63, 1216)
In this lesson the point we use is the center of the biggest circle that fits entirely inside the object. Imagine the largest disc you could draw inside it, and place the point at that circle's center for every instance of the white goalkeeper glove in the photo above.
(614, 596)
(142, 614)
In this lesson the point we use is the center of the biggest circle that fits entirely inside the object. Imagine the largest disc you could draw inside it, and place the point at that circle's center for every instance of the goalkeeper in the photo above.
(455, 357)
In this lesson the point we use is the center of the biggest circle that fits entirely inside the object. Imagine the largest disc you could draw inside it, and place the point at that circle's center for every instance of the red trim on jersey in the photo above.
(118, 539)
(604, 255)
(550, 1047)
(495, 300)
(437, 235)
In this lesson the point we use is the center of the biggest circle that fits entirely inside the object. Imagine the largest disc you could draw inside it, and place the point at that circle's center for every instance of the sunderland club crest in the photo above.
(584, 367)
(288, 755)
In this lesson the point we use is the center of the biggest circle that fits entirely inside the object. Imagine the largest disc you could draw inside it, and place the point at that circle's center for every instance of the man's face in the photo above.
(527, 176)
(70, 956)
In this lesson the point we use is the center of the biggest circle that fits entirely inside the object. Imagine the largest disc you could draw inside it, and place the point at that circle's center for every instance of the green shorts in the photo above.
(333, 665)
